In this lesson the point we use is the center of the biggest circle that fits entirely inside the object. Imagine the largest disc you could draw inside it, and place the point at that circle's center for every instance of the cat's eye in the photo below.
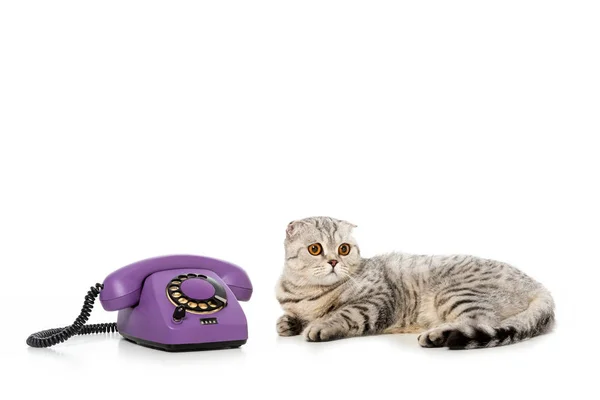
(344, 249)
(315, 249)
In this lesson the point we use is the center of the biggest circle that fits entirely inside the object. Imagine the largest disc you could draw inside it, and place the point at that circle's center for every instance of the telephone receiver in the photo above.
(172, 303)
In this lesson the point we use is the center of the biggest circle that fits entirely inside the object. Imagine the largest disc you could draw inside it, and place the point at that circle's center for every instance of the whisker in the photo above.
(345, 272)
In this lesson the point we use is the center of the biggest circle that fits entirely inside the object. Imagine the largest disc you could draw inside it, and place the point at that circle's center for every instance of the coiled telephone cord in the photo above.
(50, 337)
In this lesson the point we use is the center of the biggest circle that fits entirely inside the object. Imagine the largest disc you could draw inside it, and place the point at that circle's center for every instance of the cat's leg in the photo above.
(326, 329)
(481, 326)
(347, 321)
(289, 325)
(464, 307)
(467, 325)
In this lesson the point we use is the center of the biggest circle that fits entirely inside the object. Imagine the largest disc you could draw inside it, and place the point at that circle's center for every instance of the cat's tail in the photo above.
(538, 318)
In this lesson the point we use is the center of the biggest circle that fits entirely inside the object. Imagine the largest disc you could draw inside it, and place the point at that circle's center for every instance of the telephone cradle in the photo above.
(172, 303)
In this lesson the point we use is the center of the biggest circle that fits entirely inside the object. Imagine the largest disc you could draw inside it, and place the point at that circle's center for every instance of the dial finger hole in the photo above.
(182, 300)
(191, 304)
(176, 294)
(174, 288)
(203, 306)
(175, 282)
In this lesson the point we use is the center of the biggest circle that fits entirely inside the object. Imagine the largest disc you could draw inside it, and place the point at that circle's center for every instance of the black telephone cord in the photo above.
(50, 337)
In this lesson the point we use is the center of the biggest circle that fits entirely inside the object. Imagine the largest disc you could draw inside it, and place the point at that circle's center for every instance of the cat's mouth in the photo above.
(329, 277)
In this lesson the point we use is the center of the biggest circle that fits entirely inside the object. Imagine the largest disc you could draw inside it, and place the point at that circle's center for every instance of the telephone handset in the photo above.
(173, 303)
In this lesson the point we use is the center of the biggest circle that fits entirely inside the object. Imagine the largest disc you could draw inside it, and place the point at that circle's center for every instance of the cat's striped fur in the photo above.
(457, 301)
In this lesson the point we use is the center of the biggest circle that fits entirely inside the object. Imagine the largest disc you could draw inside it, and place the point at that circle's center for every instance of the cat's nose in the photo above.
(332, 262)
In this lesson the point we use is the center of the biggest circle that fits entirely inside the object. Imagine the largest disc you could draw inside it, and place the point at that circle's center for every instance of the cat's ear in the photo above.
(294, 228)
(350, 225)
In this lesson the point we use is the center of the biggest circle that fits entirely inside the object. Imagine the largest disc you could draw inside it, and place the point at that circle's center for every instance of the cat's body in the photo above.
(455, 301)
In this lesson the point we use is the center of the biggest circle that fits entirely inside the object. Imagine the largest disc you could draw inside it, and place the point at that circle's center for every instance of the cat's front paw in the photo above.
(323, 332)
(288, 325)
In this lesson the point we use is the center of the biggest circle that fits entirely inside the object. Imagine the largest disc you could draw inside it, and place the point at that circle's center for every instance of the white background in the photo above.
(136, 129)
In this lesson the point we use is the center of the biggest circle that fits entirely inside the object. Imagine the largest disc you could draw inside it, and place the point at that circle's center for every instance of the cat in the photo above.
(328, 292)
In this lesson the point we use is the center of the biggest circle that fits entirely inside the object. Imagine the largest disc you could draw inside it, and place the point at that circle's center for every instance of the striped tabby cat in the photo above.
(328, 292)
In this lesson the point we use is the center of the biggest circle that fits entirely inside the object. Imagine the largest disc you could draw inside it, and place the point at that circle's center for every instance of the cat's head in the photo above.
(321, 250)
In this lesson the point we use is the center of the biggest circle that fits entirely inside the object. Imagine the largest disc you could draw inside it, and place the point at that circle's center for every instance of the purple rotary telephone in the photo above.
(173, 303)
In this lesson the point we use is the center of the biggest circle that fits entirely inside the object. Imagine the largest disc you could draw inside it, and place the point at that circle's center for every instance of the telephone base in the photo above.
(186, 346)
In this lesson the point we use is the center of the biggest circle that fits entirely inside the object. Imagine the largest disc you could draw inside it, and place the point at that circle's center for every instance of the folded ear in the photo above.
(350, 225)
(294, 228)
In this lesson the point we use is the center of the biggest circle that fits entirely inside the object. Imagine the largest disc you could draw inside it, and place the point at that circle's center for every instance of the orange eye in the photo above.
(344, 249)
(315, 249)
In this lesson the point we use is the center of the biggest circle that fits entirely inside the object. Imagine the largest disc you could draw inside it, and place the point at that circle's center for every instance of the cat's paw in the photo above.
(288, 326)
(322, 332)
(435, 337)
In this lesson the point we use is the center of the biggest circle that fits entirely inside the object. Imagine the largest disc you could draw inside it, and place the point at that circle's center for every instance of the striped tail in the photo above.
(537, 319)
